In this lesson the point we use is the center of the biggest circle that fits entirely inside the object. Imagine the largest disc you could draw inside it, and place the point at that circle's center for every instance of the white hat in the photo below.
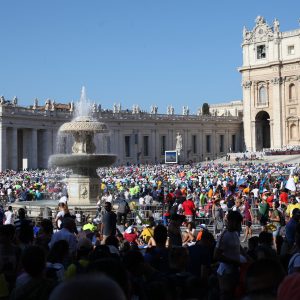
(63, 199)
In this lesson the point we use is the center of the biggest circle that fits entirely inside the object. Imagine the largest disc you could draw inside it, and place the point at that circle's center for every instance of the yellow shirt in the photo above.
(147, 233)
(290, 208)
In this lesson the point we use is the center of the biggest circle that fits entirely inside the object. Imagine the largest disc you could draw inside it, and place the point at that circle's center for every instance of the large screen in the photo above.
(171, 157)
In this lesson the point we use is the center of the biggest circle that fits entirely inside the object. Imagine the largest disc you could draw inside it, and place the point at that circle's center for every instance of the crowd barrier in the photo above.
(139, 215)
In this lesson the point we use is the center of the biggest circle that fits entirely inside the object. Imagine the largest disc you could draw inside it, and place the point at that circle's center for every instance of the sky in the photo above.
(129, 51)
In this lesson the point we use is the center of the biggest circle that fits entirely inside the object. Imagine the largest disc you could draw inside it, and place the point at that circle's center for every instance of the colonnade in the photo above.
(25, 148)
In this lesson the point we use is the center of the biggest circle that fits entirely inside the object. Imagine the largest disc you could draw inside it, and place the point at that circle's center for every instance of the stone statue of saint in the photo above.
(47, 104)
(35, 103)
(115, 110)
(276, 25)
(244, 32)
(119, 108)
(15, 101)
(53, 105)
(172, 110)
(178, 143)
(137, 109)
(95, 108)
(184, 110)
(152, 109)
(168, 110)
(2, 100)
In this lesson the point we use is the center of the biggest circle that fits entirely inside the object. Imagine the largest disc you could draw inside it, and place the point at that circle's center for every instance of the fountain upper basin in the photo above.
(81, 160)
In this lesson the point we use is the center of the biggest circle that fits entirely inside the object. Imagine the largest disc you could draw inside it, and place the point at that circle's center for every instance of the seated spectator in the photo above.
(9, 259)
(84, 248)
(130, 235)
(44, 234)
(289, 287)
(87, 287)
(32, 284)
(263, 278)
(265, 246)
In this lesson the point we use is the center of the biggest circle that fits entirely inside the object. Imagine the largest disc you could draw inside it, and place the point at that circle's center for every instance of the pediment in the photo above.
(261, 32)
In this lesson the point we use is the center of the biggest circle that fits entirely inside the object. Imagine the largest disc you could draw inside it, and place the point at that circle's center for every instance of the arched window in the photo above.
(292, 91)
(262, 95)
(293, 132)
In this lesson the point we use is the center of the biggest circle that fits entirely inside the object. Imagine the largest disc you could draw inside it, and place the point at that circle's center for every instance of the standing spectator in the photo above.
(228, 252)
(248, 219)
(2, 216)
(109, 222)
(293, 204)
(275, 220)
(24, 228)
(263, 209)
(218, 215)
(9, 216)
(290, 228)
(174, 231)
(66, 233)
(284, 197)
(189, 208)
(123, 210)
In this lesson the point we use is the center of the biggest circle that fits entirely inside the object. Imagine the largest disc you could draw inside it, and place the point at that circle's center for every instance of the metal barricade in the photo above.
(140, 214)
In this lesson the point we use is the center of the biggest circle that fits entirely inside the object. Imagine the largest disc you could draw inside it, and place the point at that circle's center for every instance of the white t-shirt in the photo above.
(9, 217)
(59, 217)
(255, 192)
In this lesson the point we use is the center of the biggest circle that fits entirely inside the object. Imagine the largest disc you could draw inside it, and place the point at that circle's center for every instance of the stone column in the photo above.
(253, 133)
(33, 147)
(3, 149)
(157, 146)
(248, 133)
(54, 139)
(185, 146)
(48, 148)
(14, 148)
(277, 113)
(152, 145)
(271, 134)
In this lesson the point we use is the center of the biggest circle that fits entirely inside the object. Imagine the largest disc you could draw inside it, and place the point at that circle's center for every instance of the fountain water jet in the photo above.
(83, 185)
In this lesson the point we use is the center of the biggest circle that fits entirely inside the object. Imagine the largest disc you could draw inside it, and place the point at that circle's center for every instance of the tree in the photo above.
(205, 109)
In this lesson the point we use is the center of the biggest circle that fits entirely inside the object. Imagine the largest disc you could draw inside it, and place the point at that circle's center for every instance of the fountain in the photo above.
(83, 185)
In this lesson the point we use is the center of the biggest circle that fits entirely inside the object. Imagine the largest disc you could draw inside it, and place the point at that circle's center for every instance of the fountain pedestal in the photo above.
(83, 190)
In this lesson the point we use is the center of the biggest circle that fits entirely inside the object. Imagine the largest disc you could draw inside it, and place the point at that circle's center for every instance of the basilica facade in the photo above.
(271, 86)
(29, 135)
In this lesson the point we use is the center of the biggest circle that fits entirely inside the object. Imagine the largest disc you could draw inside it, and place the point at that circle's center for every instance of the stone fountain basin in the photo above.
(91, 161)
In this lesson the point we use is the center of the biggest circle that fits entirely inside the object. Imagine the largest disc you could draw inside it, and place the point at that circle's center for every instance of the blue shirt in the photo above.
(290, 231)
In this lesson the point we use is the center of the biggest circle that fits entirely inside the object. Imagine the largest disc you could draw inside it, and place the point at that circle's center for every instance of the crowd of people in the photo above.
(174, 255)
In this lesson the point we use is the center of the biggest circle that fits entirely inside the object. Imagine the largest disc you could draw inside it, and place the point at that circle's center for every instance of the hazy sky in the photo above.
(134, 52)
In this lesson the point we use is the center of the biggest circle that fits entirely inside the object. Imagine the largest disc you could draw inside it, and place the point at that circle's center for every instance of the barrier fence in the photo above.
(139, 214)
